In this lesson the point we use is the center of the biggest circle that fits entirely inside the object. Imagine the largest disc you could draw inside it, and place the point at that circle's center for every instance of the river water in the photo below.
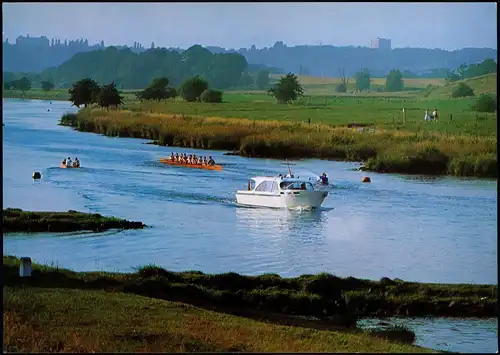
(410, 227)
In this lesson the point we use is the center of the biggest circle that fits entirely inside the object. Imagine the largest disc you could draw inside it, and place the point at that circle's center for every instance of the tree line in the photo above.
(131, 70)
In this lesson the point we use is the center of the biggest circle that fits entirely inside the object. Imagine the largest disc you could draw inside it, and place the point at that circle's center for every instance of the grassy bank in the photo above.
(17, 220)
(58, 310)
(386, 146)
(335, 301)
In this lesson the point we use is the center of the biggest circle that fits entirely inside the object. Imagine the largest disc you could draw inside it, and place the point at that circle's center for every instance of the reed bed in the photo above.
(382, 150)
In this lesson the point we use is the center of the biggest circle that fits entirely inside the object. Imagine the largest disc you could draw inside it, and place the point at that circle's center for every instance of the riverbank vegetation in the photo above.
(17, 220)
(373, 130)
(62, 310)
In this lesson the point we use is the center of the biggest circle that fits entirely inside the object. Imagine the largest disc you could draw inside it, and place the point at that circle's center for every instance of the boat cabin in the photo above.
(273, 184)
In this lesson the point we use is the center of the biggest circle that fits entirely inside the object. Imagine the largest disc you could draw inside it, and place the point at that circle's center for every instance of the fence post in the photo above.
(25, 267)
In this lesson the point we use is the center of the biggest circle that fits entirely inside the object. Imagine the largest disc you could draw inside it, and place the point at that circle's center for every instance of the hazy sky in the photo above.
(235, 25)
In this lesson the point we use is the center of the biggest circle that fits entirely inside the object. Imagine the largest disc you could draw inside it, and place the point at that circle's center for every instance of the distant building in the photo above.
(381, 43)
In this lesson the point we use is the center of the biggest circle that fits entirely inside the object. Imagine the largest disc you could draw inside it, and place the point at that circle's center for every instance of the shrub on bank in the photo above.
(211, 96)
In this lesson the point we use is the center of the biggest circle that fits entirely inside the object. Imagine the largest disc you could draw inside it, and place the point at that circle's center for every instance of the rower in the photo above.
(64, 162)
(176, 156)
(195, 159)
(205, 161)
(324, 179)
(172, 156)
(211, 161)
(69, 162)
(185, 160)
(76, 163)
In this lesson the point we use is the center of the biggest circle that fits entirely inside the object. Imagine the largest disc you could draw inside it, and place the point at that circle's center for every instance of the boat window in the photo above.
(266, 186)
(274, 187)
(296, 186)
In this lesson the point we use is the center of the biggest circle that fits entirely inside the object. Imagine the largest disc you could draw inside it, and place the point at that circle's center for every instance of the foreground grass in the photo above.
(17, 220)
(66, 320)
(430, 149)
(335, 301)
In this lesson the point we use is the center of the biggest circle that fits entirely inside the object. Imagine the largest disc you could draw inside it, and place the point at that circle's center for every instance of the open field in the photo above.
(326, 86)
(156, 310)
(485, 84)
(17, 220)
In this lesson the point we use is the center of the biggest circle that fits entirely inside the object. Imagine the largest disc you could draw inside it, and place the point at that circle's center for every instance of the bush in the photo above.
(462, 90)
(68, 119)
(342, 87)
(192, 89)
(211, 96)
(485, 103)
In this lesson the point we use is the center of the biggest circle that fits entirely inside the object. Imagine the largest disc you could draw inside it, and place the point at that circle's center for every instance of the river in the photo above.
(428, 229)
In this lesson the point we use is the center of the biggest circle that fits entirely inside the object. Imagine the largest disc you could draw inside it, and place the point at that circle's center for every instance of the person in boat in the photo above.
(76, 163)
(172, 156)
(211, 162)
(195, 159)
(205, 162)
(303, 186)
(324, 179)
(190, 159)
(64, 162)
(176, 157)
(185, 160)
(69, 163)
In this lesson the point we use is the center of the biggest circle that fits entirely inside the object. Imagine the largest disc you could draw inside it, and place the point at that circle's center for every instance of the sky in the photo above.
(448, 26)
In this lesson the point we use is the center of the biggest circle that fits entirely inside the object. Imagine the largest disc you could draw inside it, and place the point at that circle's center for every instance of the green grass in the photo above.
(485, 84)
(67, 320)
(58, 310)
(336, 300)
(17, 220)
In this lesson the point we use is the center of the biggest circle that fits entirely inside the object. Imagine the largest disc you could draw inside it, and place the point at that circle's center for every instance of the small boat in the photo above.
(281, 192)
(197, 166)
(64, 166)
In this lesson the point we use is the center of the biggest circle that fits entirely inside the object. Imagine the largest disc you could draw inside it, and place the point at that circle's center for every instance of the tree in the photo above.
(8, 85)
(192, 89)
(485, 103)
(157, 90)
(262, 79)
(211, 96)
(84, 92)
(47, 85)
(363, 80)
(462, 90)
(109, 96)
(342, 87)
(394, 81)
(23, 84)
(287, 89)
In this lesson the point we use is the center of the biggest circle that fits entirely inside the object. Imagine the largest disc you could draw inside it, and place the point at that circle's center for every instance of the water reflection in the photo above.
(281, 221)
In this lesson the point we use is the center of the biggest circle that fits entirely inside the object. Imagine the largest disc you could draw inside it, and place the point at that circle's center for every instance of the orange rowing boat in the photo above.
(197, 166)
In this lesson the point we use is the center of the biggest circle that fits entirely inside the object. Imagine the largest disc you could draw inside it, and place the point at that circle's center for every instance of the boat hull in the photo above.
(195, 166)
(62, 166)
(284, 199)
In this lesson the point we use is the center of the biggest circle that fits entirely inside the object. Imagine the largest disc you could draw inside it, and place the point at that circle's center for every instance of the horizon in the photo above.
(442, 29)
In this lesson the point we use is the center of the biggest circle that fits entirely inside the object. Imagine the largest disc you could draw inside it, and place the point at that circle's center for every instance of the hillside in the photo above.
(485, 84)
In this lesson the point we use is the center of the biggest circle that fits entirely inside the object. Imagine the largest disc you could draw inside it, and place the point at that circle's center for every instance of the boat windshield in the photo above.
(296, 186)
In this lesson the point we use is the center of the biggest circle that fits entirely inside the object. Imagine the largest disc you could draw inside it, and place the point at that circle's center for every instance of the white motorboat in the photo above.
(291, 192)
